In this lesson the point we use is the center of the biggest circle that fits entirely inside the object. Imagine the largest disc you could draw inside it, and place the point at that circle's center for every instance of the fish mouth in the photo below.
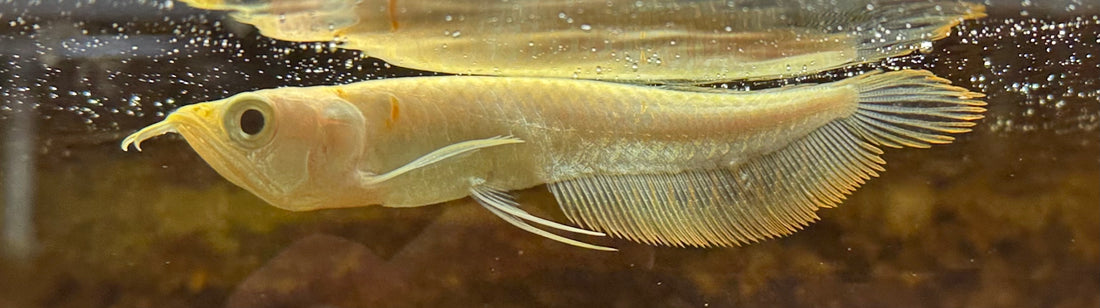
(185, 117)
(168, 125)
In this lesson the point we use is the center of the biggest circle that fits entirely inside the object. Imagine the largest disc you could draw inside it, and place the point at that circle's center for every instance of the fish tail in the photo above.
(900, 29)
(911, 108)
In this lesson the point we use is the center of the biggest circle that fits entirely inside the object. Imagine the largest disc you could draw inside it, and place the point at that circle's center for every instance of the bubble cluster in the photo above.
(1046, 71)
(80, 69)
(115, 65)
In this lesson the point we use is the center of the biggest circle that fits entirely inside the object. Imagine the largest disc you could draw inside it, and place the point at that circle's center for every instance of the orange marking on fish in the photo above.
(395, 112)
(391, 7)
(341, 93)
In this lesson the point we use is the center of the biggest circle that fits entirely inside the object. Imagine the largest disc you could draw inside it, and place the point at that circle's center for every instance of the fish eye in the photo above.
(248, 121)
(252, 121)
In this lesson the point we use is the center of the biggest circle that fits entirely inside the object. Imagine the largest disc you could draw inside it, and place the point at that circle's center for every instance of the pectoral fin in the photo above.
(439, 155)
(501, 204)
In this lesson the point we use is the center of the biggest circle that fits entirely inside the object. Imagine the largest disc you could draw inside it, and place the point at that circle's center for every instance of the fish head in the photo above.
(292, 147)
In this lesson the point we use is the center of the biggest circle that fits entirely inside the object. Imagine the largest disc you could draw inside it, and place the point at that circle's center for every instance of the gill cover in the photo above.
(299, 143)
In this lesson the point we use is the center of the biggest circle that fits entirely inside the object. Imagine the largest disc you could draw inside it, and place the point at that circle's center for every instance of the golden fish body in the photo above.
(656, 165)
(569, 129)
(651, 40)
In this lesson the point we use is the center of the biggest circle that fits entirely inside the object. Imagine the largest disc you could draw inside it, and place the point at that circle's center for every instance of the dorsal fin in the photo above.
(777, 193)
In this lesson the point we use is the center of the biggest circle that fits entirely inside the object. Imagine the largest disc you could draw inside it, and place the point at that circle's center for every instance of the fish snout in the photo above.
(170, 124)
(157, 129)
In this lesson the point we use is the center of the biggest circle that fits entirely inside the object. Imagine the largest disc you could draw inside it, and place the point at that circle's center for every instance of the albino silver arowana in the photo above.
(680, 166)
(643, 40)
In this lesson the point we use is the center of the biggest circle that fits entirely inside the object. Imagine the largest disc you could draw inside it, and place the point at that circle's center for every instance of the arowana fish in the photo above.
(681, 166)
(698, 41)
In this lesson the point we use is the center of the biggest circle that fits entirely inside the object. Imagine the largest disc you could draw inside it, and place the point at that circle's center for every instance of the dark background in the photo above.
(1007, 216)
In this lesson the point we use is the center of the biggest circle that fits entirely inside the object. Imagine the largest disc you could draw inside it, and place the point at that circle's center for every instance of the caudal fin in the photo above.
(778, 193)
(912, 108)
(895, 30)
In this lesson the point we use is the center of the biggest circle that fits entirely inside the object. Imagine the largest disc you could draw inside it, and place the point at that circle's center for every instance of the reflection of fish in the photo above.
(674, 165)
(651, 40)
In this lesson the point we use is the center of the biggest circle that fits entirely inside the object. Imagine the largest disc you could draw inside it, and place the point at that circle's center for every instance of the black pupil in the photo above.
(252, 121)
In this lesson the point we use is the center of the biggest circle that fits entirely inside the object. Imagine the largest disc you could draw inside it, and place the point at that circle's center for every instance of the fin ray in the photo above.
(503, 202)
(439, 155)
(899, 30)
(527, 227)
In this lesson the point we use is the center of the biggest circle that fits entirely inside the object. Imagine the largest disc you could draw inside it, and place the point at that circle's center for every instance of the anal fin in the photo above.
(777, 193)
(767, 197)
